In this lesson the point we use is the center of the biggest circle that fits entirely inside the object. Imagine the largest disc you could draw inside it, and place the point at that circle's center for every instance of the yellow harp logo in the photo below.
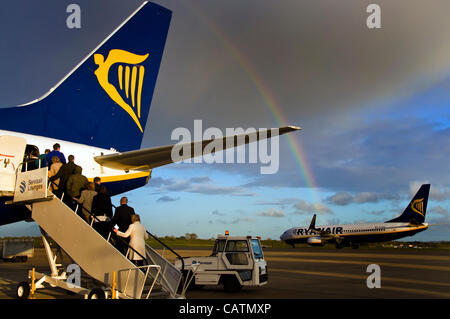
(126, 83)
(417, 206)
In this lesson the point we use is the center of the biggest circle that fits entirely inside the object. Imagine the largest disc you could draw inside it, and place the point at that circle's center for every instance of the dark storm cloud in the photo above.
(199, 185)
(345, 198)
(381, 156)
(316, 62)
(311, 57)
(437, 191)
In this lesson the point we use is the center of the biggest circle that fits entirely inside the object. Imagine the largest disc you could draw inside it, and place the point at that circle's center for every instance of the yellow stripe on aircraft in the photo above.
(118, 178)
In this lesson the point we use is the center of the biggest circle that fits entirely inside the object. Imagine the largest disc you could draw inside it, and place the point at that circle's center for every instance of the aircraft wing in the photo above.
(162, 155)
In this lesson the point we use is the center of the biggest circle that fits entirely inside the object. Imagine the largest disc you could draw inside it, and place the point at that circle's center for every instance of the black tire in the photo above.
(231, 284)
(97, 293)
(23, 290)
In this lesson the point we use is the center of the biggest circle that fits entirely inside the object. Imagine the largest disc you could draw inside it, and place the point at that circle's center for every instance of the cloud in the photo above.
(202, 179)
(437, 192)
(167, 199)
(199, 185)
(236, 221)
(440, 210)
(158, 182)
(243, 219)
(216, 212)
(271, 213)
(340, 198)
(304, 207)
(211, 189)
(374, 155)
(376, 212)
(345, 198)
(278, 202)
(366, 197)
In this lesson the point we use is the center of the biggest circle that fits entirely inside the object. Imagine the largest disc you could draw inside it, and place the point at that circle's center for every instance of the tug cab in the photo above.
(235, 262)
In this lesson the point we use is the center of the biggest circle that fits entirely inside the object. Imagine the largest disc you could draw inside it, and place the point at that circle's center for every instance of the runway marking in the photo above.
(393, 256)
(363, 278)
(354, 262)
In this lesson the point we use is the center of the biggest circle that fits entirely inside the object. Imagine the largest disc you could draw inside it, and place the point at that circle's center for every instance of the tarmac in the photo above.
(301, 273)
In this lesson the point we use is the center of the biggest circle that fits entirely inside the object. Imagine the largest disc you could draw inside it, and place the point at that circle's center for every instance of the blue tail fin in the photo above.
(105, 100)
(417, 208)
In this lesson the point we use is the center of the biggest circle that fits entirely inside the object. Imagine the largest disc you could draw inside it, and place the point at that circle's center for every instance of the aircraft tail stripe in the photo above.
(120, 74)
(133, 85)
(127, 79)
(141, 78)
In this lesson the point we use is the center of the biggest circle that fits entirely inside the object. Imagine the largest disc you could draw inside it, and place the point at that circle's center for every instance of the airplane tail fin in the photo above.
(312, 226)
(417, 208)
(105, 100)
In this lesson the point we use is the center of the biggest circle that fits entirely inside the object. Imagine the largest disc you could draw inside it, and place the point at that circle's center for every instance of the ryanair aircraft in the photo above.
(98, 112)
(409, 223)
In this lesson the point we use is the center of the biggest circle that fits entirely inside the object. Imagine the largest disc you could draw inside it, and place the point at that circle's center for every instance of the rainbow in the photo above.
(269, 100)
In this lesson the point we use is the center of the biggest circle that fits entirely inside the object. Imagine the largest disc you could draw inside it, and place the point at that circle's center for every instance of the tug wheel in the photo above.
(23, 290)
(96, 293)
(231, 284)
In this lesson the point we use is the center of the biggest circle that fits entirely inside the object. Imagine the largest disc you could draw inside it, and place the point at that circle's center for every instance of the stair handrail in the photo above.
(95, 217)
(147, 272)
(173, 251)
(98, 220)
(162, 243)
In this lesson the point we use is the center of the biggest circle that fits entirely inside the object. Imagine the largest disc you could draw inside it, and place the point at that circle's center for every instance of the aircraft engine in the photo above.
(315, 241)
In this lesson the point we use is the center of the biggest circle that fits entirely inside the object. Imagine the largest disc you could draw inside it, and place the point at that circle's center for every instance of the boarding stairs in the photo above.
(92, 252)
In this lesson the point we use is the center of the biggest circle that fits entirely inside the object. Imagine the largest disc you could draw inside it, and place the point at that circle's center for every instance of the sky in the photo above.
(373, 105)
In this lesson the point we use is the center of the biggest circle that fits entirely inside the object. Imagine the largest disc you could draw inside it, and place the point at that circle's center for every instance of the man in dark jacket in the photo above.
(97, 184)
(102, 208)
(56, 152)
(63, 174)
(122, 218)
(76, 183)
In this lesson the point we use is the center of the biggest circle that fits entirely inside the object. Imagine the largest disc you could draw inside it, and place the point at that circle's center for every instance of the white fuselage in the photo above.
(358, 232)
(84, 156)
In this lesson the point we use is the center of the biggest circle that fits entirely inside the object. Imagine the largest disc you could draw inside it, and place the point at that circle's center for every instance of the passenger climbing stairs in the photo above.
(117, 276)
